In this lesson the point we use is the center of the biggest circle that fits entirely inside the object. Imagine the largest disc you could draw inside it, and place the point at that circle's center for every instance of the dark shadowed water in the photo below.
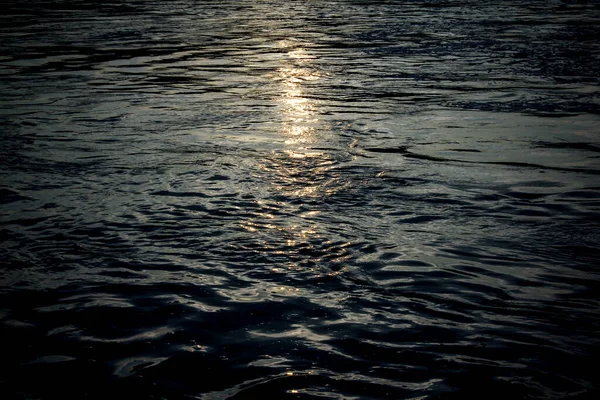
(326, 199)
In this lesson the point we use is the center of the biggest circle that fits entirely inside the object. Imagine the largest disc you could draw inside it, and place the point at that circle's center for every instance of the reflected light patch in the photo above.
(302, 170)
(295, 154)
(298, 112)
(299, 106)
(299, 135)
(301, 54)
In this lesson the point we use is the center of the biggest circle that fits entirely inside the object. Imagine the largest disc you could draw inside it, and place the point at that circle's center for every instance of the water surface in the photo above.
(299, 199)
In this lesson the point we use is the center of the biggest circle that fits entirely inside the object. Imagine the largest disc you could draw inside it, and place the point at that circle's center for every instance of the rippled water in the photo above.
(299, 199)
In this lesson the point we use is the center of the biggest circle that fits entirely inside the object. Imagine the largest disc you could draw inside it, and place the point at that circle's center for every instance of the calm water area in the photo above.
(302, 199)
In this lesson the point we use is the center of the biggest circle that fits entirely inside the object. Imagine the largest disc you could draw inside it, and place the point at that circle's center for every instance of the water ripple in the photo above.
(302, 199)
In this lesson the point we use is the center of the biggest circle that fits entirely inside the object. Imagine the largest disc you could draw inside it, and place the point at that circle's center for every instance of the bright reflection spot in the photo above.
(284, 230)
(299, 110)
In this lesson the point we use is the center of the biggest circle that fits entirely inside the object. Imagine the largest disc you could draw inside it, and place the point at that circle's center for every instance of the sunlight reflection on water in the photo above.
(300, 120)
(214, 199)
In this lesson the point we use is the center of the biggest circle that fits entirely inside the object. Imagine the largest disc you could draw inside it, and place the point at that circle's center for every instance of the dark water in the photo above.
(299, 199)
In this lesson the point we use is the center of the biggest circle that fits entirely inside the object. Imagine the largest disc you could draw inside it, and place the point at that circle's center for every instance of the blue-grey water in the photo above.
(326, 199)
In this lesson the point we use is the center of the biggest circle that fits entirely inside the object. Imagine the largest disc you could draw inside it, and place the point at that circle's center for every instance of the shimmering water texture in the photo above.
(299, 199)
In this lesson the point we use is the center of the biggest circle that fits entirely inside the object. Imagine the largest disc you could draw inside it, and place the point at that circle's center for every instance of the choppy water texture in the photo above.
(299, 199)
